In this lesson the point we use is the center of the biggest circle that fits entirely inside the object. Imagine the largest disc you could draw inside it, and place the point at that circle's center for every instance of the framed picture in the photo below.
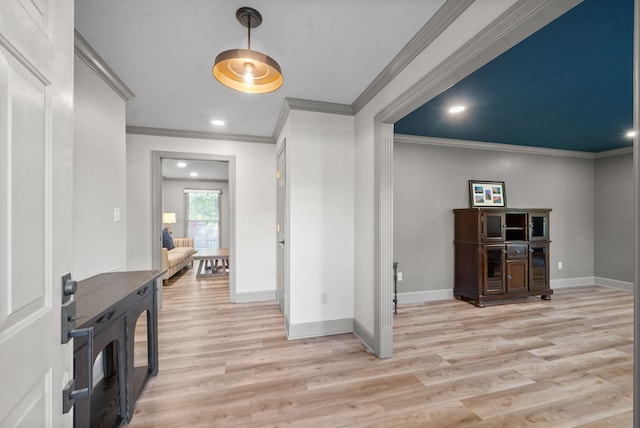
(487, 194)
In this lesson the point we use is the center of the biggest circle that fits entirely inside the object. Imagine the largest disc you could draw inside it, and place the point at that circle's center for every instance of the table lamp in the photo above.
(169, 219)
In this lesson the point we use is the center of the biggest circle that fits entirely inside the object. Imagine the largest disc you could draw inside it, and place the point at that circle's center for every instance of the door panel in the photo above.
(517, 276)
(36, 144)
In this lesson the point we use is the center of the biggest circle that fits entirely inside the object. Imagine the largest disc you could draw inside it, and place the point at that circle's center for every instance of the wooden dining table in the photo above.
(214, 262)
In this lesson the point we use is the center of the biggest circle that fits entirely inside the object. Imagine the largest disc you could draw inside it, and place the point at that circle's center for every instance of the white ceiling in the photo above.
(163, 50)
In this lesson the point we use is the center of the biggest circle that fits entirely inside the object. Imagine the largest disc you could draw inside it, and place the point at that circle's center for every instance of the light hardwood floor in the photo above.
(563, 363)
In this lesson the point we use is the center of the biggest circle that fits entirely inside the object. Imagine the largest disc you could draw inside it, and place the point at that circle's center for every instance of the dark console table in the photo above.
(111, 303)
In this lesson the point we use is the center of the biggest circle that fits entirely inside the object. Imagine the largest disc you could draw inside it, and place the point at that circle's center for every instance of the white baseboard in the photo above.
(255, 296)
(364, 335)
(614, 283)
(572, 282)
(320, 328)
(425, 296)
(591, 280)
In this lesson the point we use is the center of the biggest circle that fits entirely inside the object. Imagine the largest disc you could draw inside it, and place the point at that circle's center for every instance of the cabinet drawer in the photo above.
(516, 252)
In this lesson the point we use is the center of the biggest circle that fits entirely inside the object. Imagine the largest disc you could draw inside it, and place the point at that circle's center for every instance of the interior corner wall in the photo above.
(99, 176)
(255, 203)
(430, 181)
(320, 184)
(614, 221)
(173, 200)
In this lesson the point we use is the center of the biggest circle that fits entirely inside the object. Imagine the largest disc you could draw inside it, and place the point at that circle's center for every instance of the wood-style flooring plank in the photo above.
(567, 362)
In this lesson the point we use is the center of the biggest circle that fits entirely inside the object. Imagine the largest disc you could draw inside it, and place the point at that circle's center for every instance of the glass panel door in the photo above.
(493, 229)
(538, 226)
(538, 268)
(494, 257)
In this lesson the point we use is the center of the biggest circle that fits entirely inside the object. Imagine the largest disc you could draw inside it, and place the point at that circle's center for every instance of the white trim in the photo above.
(614, 283)
(572, 282)
(481, 145)
(615, 152)
(441, 20)
(289, 104)
(180, 133)
(320, 328)
(86, 53)
(425, 296)
(364, 335)
(255, 296)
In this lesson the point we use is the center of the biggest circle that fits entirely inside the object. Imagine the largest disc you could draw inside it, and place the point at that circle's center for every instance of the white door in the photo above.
(36, 145)
(280, 227)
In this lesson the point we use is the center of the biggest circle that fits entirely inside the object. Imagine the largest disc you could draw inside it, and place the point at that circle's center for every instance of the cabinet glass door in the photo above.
(538, 226)
(539, 268)
(493, 229)
(494, 257)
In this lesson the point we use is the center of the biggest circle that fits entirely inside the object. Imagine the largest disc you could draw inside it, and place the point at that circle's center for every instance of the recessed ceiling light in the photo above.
(456, 109)
(181, 164)
(217, 122)
(193, 174)
(631, 134)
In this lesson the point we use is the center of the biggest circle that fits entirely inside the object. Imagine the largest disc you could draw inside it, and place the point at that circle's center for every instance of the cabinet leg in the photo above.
(546, 297)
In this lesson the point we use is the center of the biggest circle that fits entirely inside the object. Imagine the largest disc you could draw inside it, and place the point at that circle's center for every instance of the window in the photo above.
(203, 217)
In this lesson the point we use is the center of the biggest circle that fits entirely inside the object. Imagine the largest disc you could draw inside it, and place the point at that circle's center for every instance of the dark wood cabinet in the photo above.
(501, 254)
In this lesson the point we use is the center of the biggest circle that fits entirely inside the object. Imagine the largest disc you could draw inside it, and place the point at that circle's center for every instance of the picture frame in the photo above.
(484, 193)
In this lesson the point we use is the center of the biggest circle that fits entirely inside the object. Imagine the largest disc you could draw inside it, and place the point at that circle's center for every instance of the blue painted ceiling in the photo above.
(568, 86)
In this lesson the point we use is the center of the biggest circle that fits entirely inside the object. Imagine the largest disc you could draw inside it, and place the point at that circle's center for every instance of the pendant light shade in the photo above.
(245, 70)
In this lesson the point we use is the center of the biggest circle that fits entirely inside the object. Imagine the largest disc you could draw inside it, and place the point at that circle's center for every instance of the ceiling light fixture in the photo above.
(193, 174)
(217, 122)
(457, 109)
(245, 70)
(181, 164)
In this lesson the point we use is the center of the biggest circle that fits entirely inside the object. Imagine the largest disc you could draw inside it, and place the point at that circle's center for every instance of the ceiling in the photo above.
(569, 86)
(163, 50)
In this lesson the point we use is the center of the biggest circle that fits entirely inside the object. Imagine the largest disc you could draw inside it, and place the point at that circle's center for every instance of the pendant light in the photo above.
(245, 70)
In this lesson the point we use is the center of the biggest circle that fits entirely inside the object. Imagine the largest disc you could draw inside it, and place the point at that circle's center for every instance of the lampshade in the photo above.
(245, 70)
(168, 218)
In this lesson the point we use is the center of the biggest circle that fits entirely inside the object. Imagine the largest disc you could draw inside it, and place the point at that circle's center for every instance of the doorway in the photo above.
(228, 210)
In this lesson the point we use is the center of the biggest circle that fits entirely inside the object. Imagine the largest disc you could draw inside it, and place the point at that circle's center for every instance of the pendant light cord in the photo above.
(249, 31)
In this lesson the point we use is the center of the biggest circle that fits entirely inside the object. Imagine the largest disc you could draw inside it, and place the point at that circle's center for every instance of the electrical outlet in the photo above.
(399, 276)
(324, 298)
(560, 265)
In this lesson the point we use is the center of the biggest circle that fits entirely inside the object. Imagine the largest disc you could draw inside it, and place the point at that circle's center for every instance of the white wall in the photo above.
(430, 181)
(255, 186)
(320, 185)
(99, 176)
(173, 200)
(614, 221)
(478, 16)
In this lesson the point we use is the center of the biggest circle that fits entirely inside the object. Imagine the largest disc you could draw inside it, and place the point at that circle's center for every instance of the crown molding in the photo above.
(289, 104)
(448, 13)
(614, 152)
(481, 145)
(86, 53)
(179, 133)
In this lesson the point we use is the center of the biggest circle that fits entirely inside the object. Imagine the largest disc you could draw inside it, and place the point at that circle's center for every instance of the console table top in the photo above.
(99, 293)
